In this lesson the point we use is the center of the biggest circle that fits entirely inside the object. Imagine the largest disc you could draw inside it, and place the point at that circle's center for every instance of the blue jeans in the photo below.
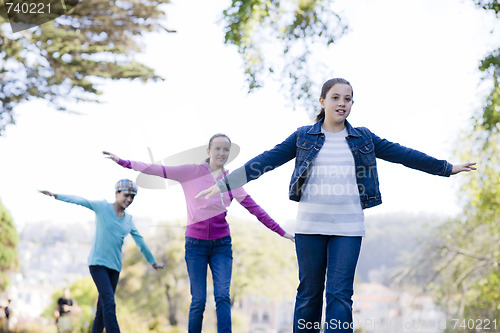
(333, 256)
(105, 280)
(217, 254)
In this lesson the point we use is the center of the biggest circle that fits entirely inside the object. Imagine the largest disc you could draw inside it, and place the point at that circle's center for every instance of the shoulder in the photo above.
(100, 206)
(102, 203)
(203, 167)
(360, 131)
(304, 129)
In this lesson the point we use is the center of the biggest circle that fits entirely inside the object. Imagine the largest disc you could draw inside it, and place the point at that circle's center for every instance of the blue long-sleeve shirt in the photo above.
(109, 233)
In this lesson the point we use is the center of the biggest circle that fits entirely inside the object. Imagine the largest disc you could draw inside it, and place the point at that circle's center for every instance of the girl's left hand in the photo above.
(290, 237)
(209, 192)
(466, 167)
(158, 266)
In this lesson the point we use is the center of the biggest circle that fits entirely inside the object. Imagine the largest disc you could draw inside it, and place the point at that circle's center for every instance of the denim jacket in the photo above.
(304, 145)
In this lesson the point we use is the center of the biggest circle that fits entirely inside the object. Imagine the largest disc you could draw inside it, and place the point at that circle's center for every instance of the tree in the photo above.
(277, 38)
(84, 293)
(489, 121)
(9, 239)
(168, 290)
(464, 256)
(263, 264)
(459, 262)
(462, 261)
(65, 60)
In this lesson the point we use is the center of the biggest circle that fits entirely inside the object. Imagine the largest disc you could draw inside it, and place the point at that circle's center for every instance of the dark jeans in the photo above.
(105, 280)
(217, 254)
(333, 256)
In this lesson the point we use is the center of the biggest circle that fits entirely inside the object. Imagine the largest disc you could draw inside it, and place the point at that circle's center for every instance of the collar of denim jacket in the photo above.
(316, 129)
(351, 131)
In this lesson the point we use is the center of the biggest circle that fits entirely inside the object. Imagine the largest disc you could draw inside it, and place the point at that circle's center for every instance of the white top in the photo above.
(330, 203)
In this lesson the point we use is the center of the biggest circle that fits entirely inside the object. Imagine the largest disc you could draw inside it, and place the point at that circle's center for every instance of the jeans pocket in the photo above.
(191, 241)
(225, 240)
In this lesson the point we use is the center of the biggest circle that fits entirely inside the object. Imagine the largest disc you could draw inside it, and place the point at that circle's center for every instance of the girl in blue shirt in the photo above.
(105, 259)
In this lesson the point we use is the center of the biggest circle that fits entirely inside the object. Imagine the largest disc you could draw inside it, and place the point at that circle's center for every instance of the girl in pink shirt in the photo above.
(208, 240)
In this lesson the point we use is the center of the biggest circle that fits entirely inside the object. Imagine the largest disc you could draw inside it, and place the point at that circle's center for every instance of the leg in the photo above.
(221, 264)
(196, 261)
(105, 280)
(98, 324)
(311, 257)
(343, 253)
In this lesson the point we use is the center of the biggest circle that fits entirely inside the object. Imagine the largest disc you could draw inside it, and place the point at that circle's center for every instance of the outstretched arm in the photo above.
(146, 252)
(112, 157)
(466, 167)
(150, 169)
(71, 199)
(260, 213)
(256, 167)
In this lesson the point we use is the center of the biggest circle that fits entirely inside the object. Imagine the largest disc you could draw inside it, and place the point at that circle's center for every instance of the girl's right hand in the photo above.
(111, 156)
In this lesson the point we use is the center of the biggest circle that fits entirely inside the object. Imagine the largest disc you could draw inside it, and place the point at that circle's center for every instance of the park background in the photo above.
(415, 72)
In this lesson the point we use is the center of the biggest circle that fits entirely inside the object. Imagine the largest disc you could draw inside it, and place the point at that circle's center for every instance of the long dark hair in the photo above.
(217, 135)
(326, 88)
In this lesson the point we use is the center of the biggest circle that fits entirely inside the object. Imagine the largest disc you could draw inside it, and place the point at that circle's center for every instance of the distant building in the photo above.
(268, 316)
(379, 309)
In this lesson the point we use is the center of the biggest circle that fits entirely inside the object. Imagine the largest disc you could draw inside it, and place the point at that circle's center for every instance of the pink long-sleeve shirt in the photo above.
(206, 218)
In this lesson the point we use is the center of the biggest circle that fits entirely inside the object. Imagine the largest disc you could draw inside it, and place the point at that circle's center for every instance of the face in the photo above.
(219, 152)
(124, 199)
(337, 103)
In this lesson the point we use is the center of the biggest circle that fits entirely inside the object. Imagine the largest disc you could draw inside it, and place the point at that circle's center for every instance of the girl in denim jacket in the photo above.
(334, 179)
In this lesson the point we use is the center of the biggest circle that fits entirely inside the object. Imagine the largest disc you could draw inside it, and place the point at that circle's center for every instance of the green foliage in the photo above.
(489, 119)
(401, 234)
(9, 239)
(84, 293)
(62, 60)
(489, 5)
(264, 264)
(462, 260)
(34, 327)
(276, 38)
(160, 298)
(465, 255)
